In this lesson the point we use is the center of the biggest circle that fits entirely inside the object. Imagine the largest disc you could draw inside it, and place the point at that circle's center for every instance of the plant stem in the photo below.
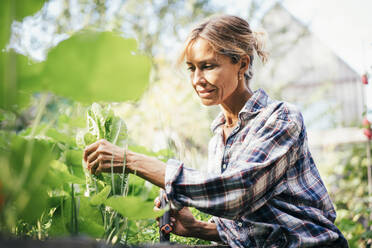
(29, 147)
(74, 222)
(126, 233)
(112, 175)
(124, 177)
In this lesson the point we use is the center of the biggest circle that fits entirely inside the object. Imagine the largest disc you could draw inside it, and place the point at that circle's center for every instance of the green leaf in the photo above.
(35, 206)
(55, 201)
(91, 228)
(60, 171)
(24, 167)
(134, 208)
(43, 131)
(101, 196)
(74, 162)
(58, 227)
(89, 138)
(95, 67)
(118, 131)
(85, 211)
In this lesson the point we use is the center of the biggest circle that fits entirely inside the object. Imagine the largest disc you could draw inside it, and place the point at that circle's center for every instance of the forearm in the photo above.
(206, 231)
(148, 168)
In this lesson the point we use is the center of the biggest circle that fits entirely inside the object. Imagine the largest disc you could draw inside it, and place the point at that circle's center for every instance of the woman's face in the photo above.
(213, 76)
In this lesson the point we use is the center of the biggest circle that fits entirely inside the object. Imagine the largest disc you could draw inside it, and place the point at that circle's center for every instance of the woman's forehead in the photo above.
(200, 50)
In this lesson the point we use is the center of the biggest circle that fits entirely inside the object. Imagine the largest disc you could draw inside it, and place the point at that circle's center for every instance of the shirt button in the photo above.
(224, 166)
(240, 224)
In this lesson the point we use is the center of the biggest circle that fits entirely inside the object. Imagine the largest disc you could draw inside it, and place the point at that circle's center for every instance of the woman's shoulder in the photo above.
(272, 109)
(284, 111)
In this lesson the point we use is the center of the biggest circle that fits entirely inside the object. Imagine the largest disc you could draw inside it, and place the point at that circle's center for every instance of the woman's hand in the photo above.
(99, 156)
(182, 221)
(185, 224)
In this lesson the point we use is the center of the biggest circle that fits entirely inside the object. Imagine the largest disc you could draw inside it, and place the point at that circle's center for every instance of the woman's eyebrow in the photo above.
(206, 61)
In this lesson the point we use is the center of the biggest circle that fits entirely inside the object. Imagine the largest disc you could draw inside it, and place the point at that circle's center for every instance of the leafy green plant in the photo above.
(349, 193)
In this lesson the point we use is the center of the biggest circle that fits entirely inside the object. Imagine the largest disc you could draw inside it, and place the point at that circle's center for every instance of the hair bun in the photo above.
(260, 38)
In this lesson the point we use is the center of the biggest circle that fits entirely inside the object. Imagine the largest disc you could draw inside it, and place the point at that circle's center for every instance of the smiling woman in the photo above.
(262, 185)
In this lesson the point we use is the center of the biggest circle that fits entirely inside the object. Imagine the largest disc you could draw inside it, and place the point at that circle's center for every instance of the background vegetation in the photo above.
(113, 53)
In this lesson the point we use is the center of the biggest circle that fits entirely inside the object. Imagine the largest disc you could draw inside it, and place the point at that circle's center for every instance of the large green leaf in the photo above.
(58, 227)
(24, 168)
(89, 219)
(84, 210)
(60, 170)
(89, 212)
(91, 228)
(134, 208)
(74, 162)
(101, 196)
(90, 67)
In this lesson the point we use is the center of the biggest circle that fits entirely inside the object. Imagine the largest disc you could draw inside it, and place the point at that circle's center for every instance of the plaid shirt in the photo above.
(262, 186)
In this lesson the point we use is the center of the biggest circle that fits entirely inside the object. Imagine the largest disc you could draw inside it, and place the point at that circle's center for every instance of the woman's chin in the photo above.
(208, 102)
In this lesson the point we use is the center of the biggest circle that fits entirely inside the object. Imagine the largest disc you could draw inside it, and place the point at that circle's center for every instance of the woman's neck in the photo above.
(232, 107)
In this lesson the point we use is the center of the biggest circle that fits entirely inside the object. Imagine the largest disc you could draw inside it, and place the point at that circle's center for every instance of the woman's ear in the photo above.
(244, 63)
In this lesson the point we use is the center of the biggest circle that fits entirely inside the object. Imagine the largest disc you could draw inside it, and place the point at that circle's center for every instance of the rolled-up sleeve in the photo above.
(249, 181)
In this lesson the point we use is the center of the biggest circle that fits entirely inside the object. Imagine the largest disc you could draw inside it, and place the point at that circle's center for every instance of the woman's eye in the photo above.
(208, 67)
(191, 68)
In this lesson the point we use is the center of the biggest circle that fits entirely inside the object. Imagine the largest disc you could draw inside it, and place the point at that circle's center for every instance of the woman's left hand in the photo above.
(101, 154)
(182, 221)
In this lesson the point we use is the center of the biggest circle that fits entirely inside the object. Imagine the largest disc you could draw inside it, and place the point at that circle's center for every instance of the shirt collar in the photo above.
(253, 105)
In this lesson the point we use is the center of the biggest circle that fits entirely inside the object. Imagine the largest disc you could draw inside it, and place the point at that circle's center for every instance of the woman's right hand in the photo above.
(99, 156)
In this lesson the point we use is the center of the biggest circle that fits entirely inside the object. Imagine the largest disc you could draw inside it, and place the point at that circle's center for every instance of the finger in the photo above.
(117, 167)
(98, 170)
(106, 167)
(91, 148)
(156, 208)
(95, 154)
(96, 159)
(103, 155)
(105, 159)
(157, 202)
(93, 167)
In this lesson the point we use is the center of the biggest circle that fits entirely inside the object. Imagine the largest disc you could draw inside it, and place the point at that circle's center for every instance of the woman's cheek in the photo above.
(212, 78)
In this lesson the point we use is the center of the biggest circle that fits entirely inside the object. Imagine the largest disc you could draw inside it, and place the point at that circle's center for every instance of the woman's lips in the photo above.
(205, 93)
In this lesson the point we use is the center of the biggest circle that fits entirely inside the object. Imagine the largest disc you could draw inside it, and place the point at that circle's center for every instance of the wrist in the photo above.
(148, 168)
(128, 161)
(205, 230)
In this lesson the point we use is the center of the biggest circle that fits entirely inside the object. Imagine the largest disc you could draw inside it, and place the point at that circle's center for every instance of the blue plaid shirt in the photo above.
(262, 186)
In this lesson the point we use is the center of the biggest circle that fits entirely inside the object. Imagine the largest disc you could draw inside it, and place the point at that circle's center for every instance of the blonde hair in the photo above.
(230, 36)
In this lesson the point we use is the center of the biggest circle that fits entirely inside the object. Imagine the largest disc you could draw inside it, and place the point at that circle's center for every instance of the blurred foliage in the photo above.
(78, 69)
(23, 178)
(10, 10)
(346, 178)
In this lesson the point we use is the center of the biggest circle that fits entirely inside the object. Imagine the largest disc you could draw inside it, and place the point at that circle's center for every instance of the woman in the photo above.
(262, 185)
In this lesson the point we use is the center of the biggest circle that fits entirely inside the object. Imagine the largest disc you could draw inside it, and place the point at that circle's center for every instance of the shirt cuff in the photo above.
(220, 229)
(172, 172)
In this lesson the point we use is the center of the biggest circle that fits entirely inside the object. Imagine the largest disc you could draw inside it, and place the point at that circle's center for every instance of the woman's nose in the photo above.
(198, 77)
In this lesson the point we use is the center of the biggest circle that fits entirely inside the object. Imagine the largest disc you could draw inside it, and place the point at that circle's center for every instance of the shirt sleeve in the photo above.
(248, 183)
